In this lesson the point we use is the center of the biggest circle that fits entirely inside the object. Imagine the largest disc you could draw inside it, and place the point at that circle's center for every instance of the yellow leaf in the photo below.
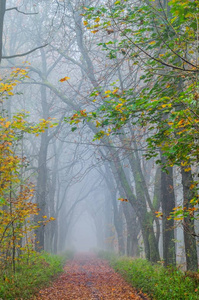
(97, 123)
(118, 107)
(114, 91)
(187, 169)
(97, 19)
(193, 200)
(64, 79)
(180, 122)
(7, 124)
(85, 23)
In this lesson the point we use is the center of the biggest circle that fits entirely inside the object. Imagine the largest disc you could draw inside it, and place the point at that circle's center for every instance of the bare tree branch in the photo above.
(21, 12)
(23, 54)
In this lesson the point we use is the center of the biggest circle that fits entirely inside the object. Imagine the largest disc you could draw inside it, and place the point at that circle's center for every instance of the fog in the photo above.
(83, 234)
(103, 193)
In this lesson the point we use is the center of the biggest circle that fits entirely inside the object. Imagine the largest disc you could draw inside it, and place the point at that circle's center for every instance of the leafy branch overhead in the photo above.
(162, 42)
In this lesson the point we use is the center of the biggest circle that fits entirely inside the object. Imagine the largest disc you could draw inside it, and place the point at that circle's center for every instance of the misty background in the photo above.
(78, 181)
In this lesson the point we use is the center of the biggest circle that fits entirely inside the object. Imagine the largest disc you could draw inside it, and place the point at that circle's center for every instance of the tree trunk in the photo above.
(2, 13)
(133, 228)
(188, 222)
(41, 192)
(168, 203)
(145, 218)
(55, 243)
(118, 223)
(108, 235)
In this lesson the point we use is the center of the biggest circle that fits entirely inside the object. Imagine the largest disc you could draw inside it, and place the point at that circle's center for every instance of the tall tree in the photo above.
(2, 13)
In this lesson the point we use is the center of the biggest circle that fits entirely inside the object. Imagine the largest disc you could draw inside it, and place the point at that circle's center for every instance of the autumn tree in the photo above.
(161, 39)
(16, 206)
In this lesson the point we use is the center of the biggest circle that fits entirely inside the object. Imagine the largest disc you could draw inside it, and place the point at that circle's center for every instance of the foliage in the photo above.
(162, 41)
(155, 280)
(16, 192)
(168, 58)
(31, 276)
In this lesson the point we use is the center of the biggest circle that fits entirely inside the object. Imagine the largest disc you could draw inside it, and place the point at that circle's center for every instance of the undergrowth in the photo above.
(156, 281)
(30, 276)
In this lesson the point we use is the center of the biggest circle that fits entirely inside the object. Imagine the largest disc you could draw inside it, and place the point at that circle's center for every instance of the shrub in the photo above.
(30, 277)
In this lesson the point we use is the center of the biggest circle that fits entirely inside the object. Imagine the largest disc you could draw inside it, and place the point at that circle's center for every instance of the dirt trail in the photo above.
(89, 278)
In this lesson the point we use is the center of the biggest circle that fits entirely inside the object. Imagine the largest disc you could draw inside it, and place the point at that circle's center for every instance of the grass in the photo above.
(31, 277)
(157, 282)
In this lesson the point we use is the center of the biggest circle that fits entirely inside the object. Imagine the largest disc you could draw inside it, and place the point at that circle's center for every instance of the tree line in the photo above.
(121, 80)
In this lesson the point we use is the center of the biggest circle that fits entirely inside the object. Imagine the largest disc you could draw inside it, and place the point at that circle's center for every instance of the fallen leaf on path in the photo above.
(89, 278)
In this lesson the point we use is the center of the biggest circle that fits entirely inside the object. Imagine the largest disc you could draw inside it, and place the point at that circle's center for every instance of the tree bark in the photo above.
(2, 13)
(168, 204)
(133, 228)
(139, 204)
(118, 223)
(188, 222)
(41, 191)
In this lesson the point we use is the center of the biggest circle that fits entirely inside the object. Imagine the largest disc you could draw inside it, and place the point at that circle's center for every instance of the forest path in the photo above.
(89, 278)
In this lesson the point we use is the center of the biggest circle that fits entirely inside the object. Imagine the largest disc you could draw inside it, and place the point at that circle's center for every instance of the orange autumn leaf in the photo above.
(123, 200)
(64, 79)
(7, 124)
(75, 283)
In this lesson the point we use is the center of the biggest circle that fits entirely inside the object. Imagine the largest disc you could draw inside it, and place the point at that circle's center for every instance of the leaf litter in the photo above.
(87, 277)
